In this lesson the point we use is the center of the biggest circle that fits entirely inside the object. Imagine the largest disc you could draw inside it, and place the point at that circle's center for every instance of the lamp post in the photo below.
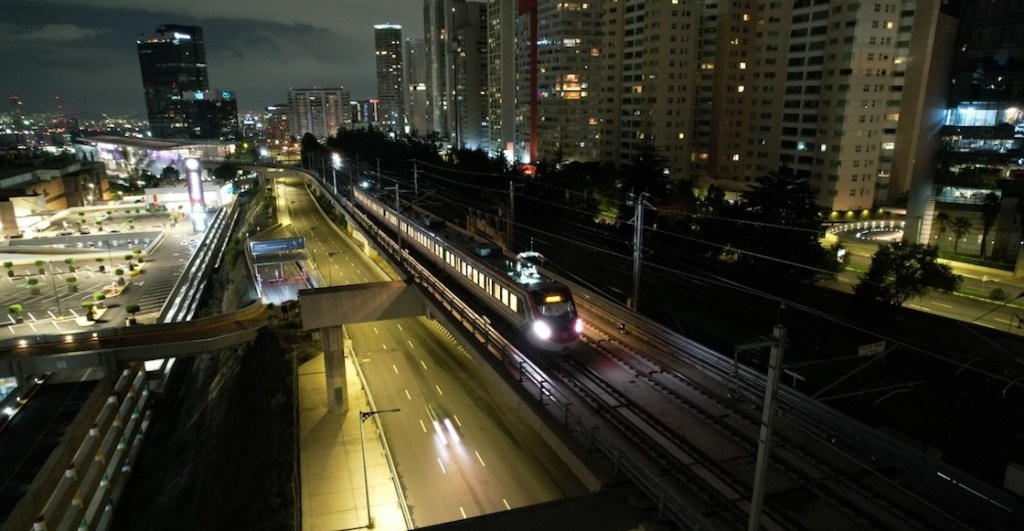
(363, 415)
(53, 280)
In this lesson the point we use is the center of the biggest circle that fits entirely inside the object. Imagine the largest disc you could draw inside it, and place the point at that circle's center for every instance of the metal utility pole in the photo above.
(511, 213)
(415, 182)
(398, 212)
(764, 450)
(638, 242)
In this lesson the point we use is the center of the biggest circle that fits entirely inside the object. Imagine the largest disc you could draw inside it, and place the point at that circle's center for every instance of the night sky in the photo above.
(84, 50)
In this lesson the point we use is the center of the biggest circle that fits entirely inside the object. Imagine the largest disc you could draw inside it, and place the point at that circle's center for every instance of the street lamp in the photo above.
(53, 280)
(363, 415)
(330, 267)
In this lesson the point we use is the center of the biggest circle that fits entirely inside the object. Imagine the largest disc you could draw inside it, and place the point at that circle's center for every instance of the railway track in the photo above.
(713, 440)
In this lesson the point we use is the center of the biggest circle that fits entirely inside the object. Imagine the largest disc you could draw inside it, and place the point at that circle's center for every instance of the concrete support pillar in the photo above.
(333, 345)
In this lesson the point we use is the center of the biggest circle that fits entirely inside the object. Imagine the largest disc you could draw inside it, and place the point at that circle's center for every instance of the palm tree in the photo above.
(989, 212)
(961, 227)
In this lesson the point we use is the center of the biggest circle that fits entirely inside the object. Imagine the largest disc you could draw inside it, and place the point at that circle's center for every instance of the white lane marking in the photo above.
(463, 511)
(943, 305)
(384, 346)
(478, 458)
(439, 391)
(1001, 320)
(424, 426)
(410, 344)
(441, 465)
(407, 395)
(424, 365)
(394, 368)
(375, 331)
(457, 421)
(503, 500)
(400, 327)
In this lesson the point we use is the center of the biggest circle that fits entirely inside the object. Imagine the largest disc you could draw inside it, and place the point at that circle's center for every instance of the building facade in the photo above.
(416, 94)
(390, 86)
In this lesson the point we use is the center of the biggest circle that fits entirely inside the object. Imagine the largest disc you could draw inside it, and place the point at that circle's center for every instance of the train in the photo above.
(539, 307)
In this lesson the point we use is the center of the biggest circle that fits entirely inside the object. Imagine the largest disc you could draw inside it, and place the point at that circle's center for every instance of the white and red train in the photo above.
(538, 306)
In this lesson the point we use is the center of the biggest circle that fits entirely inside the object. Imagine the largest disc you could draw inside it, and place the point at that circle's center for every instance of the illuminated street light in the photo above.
(363, 415)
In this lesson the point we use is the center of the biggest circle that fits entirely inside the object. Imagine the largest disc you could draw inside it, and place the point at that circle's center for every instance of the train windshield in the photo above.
(557, 304)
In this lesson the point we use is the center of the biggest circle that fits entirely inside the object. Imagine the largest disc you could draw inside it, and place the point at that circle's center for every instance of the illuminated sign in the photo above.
(194, 179)
(182, 36)
(548, 299)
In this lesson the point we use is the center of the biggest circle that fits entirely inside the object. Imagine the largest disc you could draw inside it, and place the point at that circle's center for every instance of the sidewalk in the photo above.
(333, 494)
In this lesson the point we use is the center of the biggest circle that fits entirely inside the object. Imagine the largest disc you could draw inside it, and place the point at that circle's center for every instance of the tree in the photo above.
(15, 310)
(120, 276)
(900, 271)
(71, 264)
(132, 309)
(33, 286)
(10, 268)
(961, 227)
(783, 229)
(90, 311)
(989, 212)
(100, 260)
(170, 174)
(72, 284)
(41, 265)
(942, 222)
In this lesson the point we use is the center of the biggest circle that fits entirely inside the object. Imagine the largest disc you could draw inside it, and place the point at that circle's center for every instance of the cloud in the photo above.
(87, 54)
(54, 33)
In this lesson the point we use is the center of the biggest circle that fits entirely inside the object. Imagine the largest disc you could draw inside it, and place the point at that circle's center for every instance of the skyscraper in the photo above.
(390, 87)
(173, 61)
(416, 87)
(178, 98)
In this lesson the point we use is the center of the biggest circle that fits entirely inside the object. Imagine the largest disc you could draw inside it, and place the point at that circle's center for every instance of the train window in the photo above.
(513, 302)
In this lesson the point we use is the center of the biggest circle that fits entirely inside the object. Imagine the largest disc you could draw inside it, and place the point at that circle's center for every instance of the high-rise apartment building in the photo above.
(179, 103)
(502, 17)
(561, 98)
(438, 53)
(467, 100)
(651, 76)
(728, 91)
(416, 87)
(319, 111)
(390, 87)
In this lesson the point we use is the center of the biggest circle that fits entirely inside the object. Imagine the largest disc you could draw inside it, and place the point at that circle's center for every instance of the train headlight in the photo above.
(578, 326)
(542, 329)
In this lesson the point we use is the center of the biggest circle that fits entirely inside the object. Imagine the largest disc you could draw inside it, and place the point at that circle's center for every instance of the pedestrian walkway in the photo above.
(331, 457)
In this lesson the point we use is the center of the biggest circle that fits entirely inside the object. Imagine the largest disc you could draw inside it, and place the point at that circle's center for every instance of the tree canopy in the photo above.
(783, 226)
(900, 271)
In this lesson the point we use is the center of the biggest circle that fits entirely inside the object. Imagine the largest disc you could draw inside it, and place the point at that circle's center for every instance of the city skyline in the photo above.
(85, 52)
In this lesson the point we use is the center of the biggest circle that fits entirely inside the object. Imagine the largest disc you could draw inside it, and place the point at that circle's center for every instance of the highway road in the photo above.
(461, 451)
(486, 458)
